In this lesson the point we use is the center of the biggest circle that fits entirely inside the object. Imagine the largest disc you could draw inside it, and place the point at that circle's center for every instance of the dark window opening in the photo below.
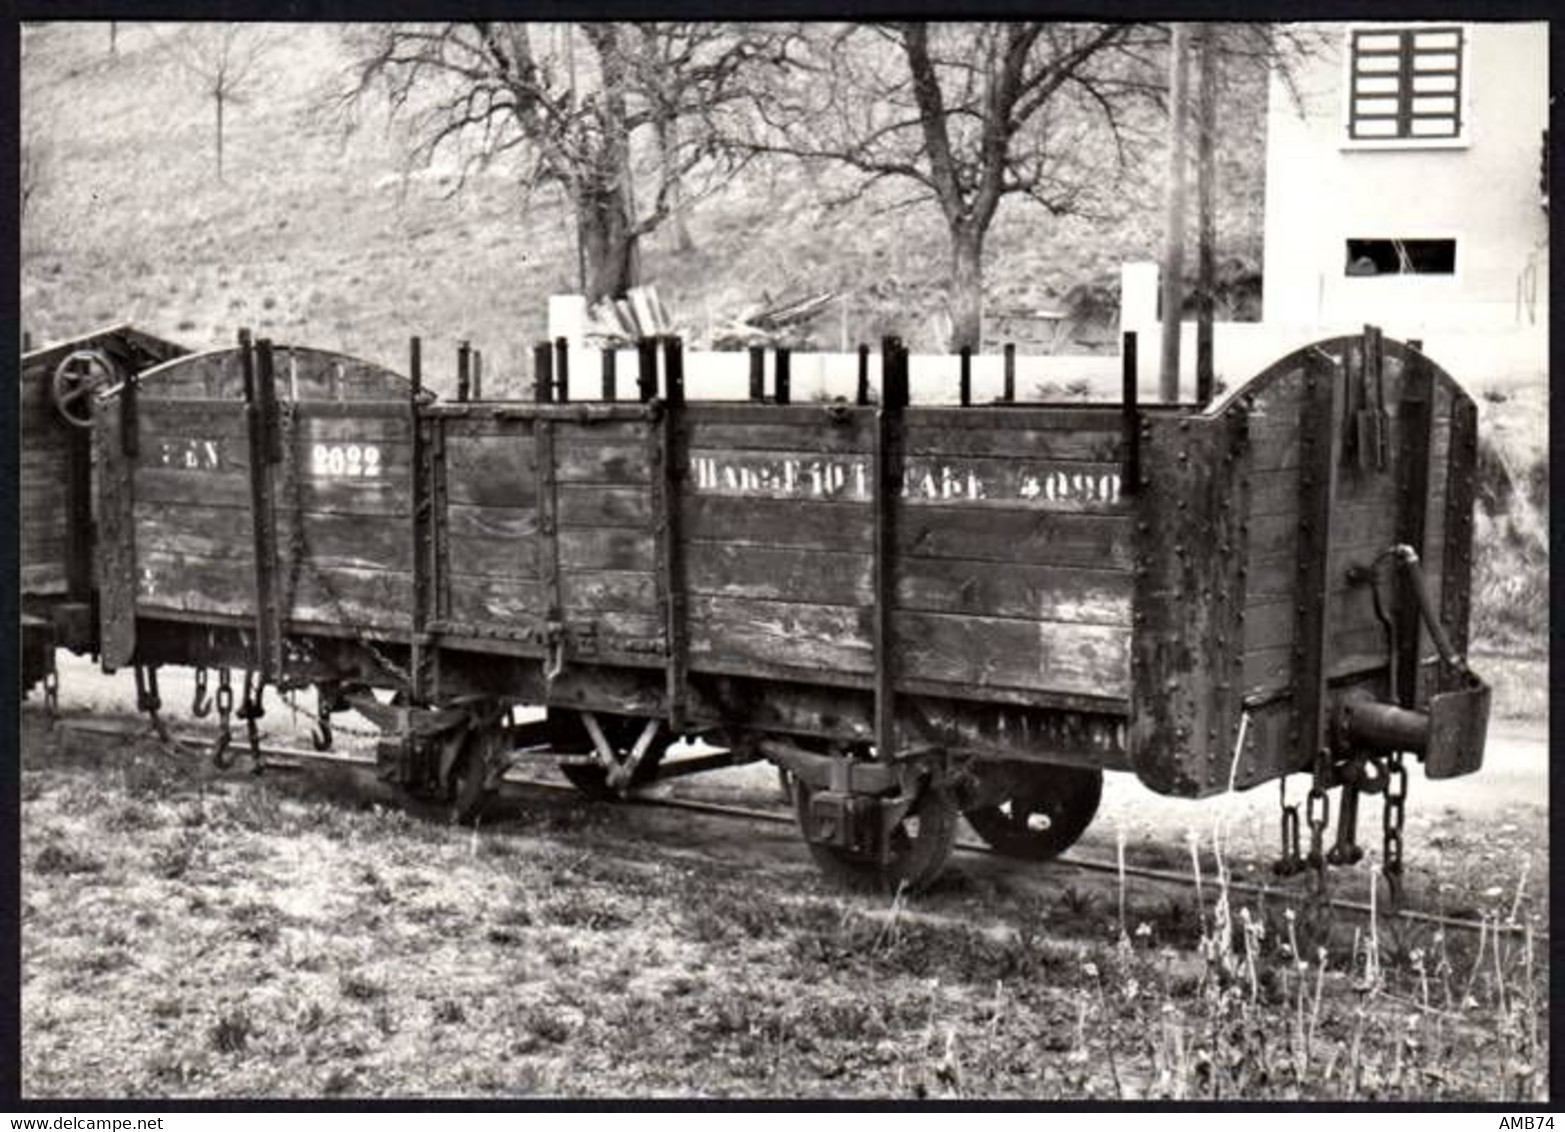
(1401, 257)
(1406, 84)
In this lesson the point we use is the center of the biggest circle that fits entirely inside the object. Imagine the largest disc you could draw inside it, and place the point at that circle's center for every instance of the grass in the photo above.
(356, 951)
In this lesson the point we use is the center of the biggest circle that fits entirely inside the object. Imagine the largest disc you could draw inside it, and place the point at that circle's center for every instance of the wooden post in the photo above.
(464, 360)
(610, 372)
(781, 379)
(757, 373)
(670, 433)
(1174, 232)
(478, 375)
(1009, 394)
(543, 372)
(887, 487)
(562, 370)
(966, 379)
(27, 342)
(1206, 210)
(1130, 426)
(646, 369)
(673, 367)
(861, 394)
(416, 364)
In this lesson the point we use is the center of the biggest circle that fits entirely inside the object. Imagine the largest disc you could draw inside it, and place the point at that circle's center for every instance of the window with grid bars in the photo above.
(1406, 84)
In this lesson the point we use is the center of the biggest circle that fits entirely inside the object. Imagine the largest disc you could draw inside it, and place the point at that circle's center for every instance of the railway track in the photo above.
(284, 758)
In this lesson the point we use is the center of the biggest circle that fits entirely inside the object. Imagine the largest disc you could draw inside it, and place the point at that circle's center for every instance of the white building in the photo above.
(1404, 182)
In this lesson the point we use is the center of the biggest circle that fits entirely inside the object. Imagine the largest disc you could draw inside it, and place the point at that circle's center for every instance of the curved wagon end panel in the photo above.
(1304, 545)
(303, 373)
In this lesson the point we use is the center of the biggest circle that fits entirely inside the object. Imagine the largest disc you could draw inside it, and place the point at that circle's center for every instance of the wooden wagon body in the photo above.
(1195, 595)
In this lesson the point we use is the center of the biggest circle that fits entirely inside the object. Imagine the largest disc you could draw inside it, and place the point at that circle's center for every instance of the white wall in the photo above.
(1320, 192)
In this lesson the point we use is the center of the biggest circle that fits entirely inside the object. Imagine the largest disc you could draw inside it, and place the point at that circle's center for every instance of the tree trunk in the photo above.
(609, 249)
(967, 288)
(219, 101)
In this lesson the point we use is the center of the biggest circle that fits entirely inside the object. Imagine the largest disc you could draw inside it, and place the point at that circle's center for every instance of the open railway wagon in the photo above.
(914, 611)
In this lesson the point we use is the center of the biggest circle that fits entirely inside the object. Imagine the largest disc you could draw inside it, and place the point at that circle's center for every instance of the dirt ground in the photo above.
(187, 933)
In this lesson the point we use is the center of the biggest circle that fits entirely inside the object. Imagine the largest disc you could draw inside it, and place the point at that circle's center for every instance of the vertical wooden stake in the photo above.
(646, 369)
(478, 375)
(965, 382)
(1130, 424)
(781, 379)
(1174, 232)
(861, 394)
(464, 361)
(1008, 395)
(757, 373)
(543, 372)
(1206, 214)
(610, 373)
(416, 364)
(562, 370)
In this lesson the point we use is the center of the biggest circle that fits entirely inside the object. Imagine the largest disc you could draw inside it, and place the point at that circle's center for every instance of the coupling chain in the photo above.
(223, 700)
(1291, 861)
(1317, 814)
(1393, 814)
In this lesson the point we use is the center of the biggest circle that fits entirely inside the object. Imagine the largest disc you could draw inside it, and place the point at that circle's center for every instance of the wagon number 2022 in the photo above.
(349, 460)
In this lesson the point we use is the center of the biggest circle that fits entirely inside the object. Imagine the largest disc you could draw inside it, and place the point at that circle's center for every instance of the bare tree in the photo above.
(966, 115)
(621, 127)
(969, 115)
(226, 60)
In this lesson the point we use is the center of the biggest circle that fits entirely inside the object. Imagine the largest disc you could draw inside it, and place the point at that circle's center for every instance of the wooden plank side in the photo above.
(1077, 595)
(776, 523)
(190, 583)
(504, 605)
(822, 434)
(220, 534)
(973, 481)
(779, 573)
(744, 631)
(491, 471)
(379, 599)
(1039, 538)
(1091, 445)
(596, 506)
(586, 591)
(466, 521)
(606, 549)
(981, 652)
(581, 461)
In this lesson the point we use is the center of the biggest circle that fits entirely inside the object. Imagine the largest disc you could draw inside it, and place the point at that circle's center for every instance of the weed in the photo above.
(232, 1031)
(359, 987)
(337, 1083)
(65, 860)
(450, 1012)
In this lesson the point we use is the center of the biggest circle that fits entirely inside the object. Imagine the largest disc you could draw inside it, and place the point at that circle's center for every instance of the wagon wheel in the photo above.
(568, 736)
(1037, 811)
(80, 376)
(920, 845)
(468, 790)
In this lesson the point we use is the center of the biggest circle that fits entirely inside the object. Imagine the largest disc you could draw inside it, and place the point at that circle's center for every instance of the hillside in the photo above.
(317, 237)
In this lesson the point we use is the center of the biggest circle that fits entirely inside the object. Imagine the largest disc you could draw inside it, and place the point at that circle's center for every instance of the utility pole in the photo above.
(1174, 225)
(1206, 212)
